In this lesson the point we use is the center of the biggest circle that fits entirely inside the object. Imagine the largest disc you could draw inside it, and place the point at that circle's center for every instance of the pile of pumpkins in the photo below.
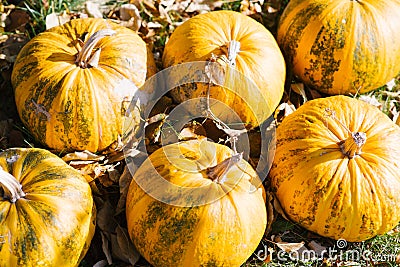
(336, 170)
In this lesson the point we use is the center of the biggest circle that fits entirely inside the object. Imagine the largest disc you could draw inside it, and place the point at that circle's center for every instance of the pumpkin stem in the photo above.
(233, 51)
(351, 147)
(85, 58)
(11, 187)
(218, 172)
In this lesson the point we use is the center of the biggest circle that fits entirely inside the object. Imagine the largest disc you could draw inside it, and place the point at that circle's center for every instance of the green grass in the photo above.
(38, 11)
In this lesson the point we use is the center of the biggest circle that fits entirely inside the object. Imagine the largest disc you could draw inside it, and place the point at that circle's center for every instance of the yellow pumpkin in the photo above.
(73, 83)
(192, 204)
(342, 46)
(47, 214)
(336, 169)
(252, 71)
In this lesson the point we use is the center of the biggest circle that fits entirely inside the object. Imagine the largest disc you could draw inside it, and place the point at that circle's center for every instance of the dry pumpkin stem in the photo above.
(84, 58)
(232, 52)
(11, 187)
(217, 172)
(350, 147)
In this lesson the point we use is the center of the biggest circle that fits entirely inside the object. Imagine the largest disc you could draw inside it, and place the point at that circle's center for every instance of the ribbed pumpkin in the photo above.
(336, 169)
(192, 204)
(342, 46)
(240, 45)
(73, 83)
(47, 215)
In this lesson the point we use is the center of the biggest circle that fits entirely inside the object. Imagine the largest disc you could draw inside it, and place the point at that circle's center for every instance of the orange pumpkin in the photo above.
(342, 46)
(47, 213)
(336, 169)
(252, 71)
(74, 82)
(193, 203)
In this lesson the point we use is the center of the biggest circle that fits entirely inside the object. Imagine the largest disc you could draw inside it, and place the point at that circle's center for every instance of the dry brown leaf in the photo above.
(130, 17)
(213, 4)
(113, 173)
(10, 47)
(270, 212)
(284, 110)
(106, 248)
(101, 263)
(289, 247)
(371, 99)
(391, 84)
(5, 128)
(107, 175)
(298, 88)
(17, 20)
(105, 218)
(279, 209)
(133, 164)
(85, 167)
(318, 248)
(198, 7)
(93, 9)
(104, 179)
(154, 25)
(124, 182)
(123, 248)
(82, 156)
(54, 19)
(314, 93)
(192, 130)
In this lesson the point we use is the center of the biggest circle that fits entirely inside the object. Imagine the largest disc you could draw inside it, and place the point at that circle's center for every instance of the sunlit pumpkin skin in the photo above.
(328, 184)
(69, 105)
(52, 221)
(342, 46)
(209, 37)
(222, 232)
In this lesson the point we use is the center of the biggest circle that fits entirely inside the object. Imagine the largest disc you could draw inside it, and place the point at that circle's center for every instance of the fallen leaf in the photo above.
(133, 163)
(105, 218)
(124, 182)
(289, 247)
(82, 156)
(106, 248)
(298, 88)
(318, 248)
(270, 212)
(371, 99)
(197, 7)
(101, 263)
(93, 9)
(123, 246)
(113, 173)
(130, 17)
(192, 130)
(17, 20)
(288, 108)
(391, 84)
(53, 19)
